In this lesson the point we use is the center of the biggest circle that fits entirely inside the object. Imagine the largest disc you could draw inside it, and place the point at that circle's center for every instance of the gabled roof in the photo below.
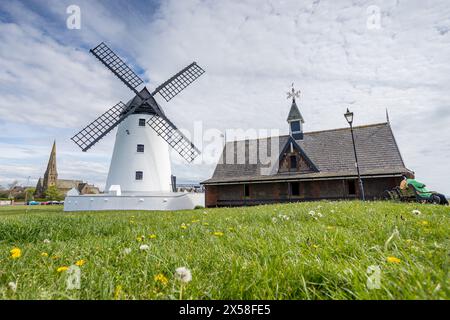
(294, 113)
(331, 152)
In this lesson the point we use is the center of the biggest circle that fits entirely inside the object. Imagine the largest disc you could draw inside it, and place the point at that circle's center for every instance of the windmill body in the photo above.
(139, 176)
(138, 150)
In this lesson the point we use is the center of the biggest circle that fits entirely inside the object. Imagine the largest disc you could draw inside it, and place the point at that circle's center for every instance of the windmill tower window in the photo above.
(141, 122)
(140, 148)
(139, 175)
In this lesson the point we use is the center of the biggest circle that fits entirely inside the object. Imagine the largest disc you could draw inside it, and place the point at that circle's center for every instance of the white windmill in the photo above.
(140, 164)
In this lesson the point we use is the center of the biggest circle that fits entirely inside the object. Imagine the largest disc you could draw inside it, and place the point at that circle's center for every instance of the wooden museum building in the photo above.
(308, 165)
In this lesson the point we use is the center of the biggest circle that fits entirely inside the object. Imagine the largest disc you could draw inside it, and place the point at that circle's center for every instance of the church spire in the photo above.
(295, 118)
(51, 174)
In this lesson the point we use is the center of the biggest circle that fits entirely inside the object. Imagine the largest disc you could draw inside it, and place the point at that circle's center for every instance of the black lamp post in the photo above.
(349, 117)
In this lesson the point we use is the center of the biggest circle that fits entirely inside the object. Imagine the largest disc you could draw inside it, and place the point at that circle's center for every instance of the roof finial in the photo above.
(293, 94)
(387, 116)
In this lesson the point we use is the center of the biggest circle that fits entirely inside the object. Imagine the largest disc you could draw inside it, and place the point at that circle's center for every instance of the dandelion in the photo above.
(117, 292)
(44, 254)
(183, 226)
(195, 221)
(144, 247)
(161, 279)
(183, 274)
(15, 253)
(218, 234)
(12, 286)
(330, 227)
(126, 251)
(424, 223)
(152, 236)
(140, 238)
(62, 269)
(80, 262)
(393, 260)
(46, 241)
(416, 212)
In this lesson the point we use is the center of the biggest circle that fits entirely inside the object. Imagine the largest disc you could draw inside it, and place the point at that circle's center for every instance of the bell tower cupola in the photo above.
(295, 119)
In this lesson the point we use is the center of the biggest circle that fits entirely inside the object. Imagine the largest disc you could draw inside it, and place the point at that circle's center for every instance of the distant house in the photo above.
(63, 185)
(309, 166)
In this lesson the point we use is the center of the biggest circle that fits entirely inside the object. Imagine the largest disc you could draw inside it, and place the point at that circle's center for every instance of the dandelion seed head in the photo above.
(12, 286)
(144, 247)
(183, 274)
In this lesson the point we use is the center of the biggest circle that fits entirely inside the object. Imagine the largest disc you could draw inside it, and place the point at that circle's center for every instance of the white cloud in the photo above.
(251, 51)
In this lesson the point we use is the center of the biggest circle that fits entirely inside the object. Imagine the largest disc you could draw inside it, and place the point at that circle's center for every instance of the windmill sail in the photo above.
(179, 82)
(101, 126)
(113, 62)
(173, 136)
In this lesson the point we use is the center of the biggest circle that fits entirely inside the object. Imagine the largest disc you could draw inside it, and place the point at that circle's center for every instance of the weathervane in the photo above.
(293, 94)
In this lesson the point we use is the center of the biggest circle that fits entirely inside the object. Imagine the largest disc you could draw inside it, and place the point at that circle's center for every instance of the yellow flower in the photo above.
(424, 223)
(393, 260)
(80, 262)
(62, 269)
(44, 254)
(205, 223)
(152, 236)
(183, 226)
(230, 229)
(195, 221)
(161, 278)
(117, 292)
(218, 233)
(140, 238)
(315, 246)
(330, 228)
(15, 253)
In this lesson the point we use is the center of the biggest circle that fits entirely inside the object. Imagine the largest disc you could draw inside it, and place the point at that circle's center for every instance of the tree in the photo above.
(53, 193)
(29, 193)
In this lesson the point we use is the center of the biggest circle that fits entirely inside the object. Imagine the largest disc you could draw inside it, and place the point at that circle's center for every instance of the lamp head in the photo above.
(349, 117)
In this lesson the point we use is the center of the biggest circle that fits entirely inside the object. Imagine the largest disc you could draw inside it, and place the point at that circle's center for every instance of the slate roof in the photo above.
(331, 152)
(294, 113)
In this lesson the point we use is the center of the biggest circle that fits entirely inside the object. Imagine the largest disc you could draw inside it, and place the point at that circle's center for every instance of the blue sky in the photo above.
(50, 86)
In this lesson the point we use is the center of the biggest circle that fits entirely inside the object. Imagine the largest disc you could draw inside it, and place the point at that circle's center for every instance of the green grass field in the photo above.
(264, 252)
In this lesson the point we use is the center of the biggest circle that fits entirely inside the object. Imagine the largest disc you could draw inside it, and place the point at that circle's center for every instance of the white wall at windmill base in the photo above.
(153, 162)
(147, 201)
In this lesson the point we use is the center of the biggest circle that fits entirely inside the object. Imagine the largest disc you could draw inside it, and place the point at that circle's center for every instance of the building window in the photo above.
(351, 187)
(139, 175)
(140, 148)
(295, 126)
(295, 188)
(246, 190)
(293, 162)
(141, 122)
